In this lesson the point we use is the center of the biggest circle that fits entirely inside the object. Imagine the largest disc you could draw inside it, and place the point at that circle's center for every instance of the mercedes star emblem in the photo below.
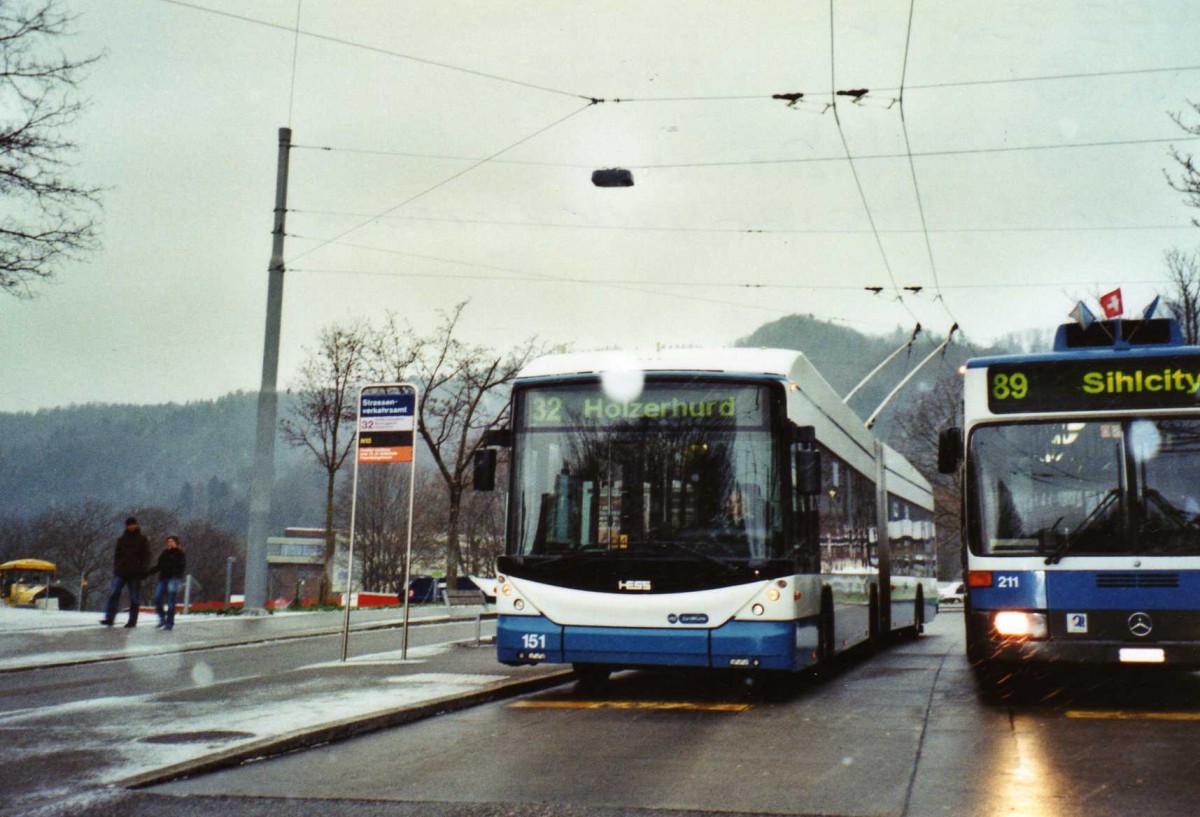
(1140, 624)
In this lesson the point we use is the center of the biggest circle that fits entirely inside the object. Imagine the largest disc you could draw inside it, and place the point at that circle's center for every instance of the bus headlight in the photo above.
(772, 595)
(758, 609)
(518, 604)
(1017, 624)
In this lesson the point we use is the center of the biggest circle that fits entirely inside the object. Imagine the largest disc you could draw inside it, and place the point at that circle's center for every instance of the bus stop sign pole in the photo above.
(385, 431)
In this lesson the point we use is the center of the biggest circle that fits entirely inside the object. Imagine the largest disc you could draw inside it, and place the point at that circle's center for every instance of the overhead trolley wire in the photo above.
(739, 230)
(854, 170)
(625, 283)
(912, 167)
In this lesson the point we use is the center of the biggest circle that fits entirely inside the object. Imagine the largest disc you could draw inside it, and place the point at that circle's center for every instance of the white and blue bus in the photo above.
(1081, 523)
(715, 508)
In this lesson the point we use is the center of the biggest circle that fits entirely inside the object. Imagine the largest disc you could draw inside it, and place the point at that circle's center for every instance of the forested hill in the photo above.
(844, 356)
(193, 458)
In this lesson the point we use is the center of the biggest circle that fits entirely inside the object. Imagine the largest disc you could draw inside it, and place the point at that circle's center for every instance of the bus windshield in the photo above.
(688, 469)
(1101, 487)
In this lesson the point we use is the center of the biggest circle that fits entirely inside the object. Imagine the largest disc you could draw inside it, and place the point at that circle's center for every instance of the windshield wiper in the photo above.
(1070, 539)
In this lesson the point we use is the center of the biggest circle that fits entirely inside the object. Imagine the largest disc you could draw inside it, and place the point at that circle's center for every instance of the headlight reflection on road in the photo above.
(1021, 781)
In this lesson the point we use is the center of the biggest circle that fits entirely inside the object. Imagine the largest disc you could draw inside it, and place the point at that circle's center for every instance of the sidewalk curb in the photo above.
(220, 645)
(341, 730)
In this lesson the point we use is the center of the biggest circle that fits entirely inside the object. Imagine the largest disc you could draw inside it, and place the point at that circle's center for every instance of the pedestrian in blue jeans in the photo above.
(171, 567)
(130, 559)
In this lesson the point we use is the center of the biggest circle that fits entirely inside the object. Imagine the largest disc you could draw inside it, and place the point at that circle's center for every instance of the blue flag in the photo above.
(1148, 312)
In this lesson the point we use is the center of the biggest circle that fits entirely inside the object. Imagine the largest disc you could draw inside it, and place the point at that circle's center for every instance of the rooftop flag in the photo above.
(1111, 304)
(1149, 311)
(1082, 315)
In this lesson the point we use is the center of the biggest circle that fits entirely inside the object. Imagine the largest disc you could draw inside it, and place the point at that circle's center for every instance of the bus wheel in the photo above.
(591, 677)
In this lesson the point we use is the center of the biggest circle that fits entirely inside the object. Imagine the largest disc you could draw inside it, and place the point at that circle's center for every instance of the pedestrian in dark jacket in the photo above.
(130, 562)
(171, 567)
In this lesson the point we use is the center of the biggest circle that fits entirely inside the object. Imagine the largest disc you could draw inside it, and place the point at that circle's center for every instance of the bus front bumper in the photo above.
(985, 645)
(751, 645)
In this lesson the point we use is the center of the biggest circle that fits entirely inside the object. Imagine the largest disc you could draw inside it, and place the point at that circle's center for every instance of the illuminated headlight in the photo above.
(518, 604)
(758, 609)
(772, 595)
(1016, 623)
(506, 589)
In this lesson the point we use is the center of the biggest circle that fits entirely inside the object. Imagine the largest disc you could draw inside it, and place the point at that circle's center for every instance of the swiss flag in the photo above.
(1111, 304)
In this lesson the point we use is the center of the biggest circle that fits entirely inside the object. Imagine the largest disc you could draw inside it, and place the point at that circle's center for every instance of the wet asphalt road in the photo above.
(905, 732)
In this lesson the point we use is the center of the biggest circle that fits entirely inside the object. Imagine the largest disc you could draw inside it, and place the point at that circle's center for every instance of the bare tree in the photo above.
(50, 217)
(322, 420)
(79, 540)
(381, 522)
(1183, 302)
(482, 531)
(464, 391)
(208, 549)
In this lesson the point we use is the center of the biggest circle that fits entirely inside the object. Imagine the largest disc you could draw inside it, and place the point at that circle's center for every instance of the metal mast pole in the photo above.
(268, 401)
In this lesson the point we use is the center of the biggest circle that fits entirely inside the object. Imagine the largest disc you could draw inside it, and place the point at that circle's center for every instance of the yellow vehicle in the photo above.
(26, 582)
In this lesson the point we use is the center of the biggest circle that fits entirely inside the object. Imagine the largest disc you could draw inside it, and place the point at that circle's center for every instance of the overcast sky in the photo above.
(1040, 134)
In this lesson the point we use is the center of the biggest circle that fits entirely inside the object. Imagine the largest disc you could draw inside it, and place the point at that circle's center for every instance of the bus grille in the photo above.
(1137, 580)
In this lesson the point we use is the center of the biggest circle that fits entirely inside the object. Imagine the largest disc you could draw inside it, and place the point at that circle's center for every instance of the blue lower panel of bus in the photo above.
(775, 645)
(1091, 616)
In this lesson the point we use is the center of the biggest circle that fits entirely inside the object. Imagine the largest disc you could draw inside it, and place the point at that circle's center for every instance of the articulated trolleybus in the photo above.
(713, 509)
(1082, 499)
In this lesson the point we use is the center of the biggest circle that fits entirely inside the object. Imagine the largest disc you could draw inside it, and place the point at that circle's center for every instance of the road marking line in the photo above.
(1133, 716)
(660, 705)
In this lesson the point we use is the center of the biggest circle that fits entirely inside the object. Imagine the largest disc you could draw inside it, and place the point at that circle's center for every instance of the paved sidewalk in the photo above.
(190, 724)
(32, 639)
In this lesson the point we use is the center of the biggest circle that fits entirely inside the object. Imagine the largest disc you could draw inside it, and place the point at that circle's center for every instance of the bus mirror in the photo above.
(808, 472)
(803, 434)
(484, 478)
(497, 438)
(950, 450)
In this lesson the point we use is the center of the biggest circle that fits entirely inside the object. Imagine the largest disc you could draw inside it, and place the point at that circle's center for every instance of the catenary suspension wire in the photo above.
(374, 49)
(446, 181)
(922, 153)
(784, 161)
(295, 58)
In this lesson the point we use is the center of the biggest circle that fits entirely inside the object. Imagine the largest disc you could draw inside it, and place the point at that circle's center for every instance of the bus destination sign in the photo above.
(1106, 385)
(589, 406)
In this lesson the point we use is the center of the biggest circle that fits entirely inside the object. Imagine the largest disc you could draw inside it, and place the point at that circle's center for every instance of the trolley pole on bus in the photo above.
(941, 346)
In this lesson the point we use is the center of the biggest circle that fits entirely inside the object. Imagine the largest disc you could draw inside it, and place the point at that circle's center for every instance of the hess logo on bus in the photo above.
(642, 585)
